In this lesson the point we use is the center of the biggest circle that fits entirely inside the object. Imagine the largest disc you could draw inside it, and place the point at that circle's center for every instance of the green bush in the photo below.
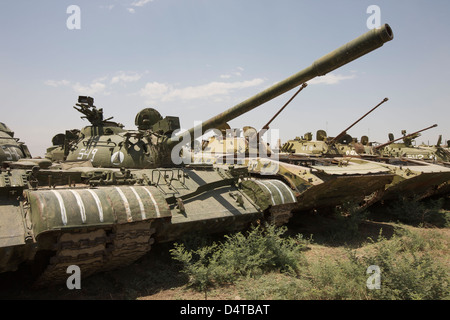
(407, 270)
(260, 250)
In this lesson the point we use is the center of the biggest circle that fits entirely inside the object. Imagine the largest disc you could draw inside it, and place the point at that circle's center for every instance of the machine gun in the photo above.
(91, 113)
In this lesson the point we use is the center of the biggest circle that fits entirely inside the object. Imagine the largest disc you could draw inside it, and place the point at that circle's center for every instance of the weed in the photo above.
(259, 251)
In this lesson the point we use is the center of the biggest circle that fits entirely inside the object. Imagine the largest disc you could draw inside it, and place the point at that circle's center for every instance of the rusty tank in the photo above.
(420, 179)
(113, 192)
(323, 146)
(321, 181)
(419, 172)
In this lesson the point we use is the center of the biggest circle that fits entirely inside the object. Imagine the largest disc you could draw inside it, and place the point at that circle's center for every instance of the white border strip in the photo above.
(279, 191)
(125, 203)
(289, 189)
(141, 205)
(80, 205)
(99, 204)
(158, 214)
(61, 206)
(262, 184)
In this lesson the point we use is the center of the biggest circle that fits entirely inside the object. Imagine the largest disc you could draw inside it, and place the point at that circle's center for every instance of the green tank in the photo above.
(321, 181)
(114, 191)
(441, 153)
(411, 178)
(341, 145)
(11, 149)
(406, 149)
(420, 172)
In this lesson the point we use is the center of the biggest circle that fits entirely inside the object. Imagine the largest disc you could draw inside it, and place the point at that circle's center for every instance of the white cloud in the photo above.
(59, 83)
(92, 89)
(140, 3)
(131, 10)
(331, 79)
(155, 91)
(236, 73)
(125, 77)
(95, 87)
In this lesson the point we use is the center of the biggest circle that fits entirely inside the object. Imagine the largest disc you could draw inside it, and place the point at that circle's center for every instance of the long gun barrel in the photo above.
(354, 49)
(266, 126)
(345, 131)
(407, 136)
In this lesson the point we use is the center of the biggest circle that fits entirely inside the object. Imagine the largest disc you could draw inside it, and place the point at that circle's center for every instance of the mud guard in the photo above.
(57, 209)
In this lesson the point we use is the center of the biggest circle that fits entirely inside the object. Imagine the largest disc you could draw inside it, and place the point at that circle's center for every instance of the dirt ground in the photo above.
(157, 276)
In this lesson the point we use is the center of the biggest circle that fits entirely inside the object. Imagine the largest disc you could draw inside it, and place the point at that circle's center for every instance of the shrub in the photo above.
(407, 270)
(259, 251)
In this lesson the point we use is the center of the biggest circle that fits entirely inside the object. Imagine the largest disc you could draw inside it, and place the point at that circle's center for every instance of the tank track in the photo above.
(96, 250)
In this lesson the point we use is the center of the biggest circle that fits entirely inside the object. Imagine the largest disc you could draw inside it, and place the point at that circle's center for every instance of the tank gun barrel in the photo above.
(369, 41)
(266, 126)
(345, 131)
(407, 136)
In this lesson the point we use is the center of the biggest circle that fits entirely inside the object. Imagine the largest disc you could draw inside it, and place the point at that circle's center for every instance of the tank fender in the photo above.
(268, 192)
(55, 209)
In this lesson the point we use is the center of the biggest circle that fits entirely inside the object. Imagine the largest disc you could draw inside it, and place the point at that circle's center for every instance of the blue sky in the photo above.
(196, 58)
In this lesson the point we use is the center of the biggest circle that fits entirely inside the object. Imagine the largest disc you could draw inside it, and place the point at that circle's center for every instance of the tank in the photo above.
(411, 178)
(421, 172)
(324, 183)
(11, 149)
(341, 145)
(441, 152)
(321, 181)
(406, 149)
(117, 191)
